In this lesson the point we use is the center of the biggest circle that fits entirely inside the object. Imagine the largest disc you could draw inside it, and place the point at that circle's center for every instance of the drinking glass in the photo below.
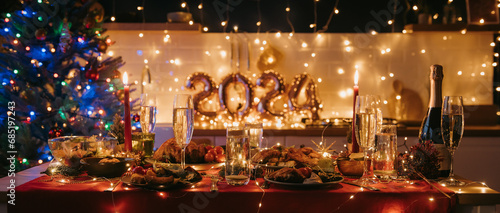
(148, 112)
(183, 122)
(237, 156)
(385, 152)
(365, 123)
(452, 128)
(148, 122)
(255, 132)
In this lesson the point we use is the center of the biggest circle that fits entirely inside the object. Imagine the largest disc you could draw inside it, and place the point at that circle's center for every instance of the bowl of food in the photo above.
(109, 167)
(69, 150)
(352, 165)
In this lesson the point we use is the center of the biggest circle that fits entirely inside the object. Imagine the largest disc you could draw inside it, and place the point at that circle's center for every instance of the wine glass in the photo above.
(365, 123)
(452, 128)
(183, 122)
(148, 112)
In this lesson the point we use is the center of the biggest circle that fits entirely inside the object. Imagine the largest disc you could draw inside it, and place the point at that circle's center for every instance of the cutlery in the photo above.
(364, 186)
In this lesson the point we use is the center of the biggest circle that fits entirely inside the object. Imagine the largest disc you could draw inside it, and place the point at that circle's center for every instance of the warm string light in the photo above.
(259, 15)
(349, 49)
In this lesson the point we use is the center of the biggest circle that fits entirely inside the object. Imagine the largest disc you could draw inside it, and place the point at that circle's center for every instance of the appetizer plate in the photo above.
(337, 180)
(180, 184)
(196, 166)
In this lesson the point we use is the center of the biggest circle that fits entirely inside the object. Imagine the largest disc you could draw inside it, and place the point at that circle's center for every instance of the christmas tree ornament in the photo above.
(120, 94)
(56, 131)
(92, 74)
(136, 117)
(89, 21)
(116, 74)
(65, 39)
(97, 11)
(118, 128)
(41, 34)
(102, 46)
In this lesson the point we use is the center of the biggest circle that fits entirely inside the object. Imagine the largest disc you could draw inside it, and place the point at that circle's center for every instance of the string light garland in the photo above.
(259, 15)
(287, 9)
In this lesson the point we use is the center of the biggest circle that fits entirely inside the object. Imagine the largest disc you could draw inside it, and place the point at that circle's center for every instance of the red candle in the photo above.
(128, 126)
(355, 146)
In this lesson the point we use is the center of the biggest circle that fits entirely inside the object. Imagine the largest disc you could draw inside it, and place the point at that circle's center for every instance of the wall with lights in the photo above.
(331, 59)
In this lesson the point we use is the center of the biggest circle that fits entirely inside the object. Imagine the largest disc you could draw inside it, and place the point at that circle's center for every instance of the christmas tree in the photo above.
(54, 72)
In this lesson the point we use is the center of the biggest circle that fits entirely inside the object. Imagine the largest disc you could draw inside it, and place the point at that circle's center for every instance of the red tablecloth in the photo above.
(40, 196)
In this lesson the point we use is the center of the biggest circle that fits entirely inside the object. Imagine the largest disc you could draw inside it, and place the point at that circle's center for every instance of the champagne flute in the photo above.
(183, 122)
(148, 122)
(452, 128)
(365, 128)
(148, 112)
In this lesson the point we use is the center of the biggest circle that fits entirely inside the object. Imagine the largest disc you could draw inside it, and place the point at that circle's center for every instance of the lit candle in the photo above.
(128, 131)
(355, 147)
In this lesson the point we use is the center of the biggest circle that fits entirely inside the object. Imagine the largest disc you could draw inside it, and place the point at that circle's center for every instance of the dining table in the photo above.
(58, 194)
(44, 193)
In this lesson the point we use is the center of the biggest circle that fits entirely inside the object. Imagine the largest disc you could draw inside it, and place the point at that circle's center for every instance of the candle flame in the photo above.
(125, 78)
(356, 77)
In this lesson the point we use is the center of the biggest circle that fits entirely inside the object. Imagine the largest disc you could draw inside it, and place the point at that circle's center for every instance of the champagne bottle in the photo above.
(430, 130)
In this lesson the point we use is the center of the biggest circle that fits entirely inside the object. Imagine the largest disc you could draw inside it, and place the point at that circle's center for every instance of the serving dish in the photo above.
(96, 167)
(336, 181)
(69, 150)
(196, 166)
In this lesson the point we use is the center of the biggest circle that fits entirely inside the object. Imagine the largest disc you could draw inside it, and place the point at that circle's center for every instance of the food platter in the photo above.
(180, 184)
(196, 166)
(270, 167)
(336, 181)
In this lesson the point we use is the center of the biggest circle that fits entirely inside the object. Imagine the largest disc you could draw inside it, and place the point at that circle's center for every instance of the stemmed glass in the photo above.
(183, 122)
(148, 112)
(365, 128)
(452, 128)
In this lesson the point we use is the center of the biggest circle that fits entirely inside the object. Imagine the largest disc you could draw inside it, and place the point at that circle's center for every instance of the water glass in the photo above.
(148, 112)
(237, 156)
(384, 155)
(148, 143)
(255, 132)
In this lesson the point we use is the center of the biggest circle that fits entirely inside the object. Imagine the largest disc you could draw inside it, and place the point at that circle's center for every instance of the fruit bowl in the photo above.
(69, 150)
